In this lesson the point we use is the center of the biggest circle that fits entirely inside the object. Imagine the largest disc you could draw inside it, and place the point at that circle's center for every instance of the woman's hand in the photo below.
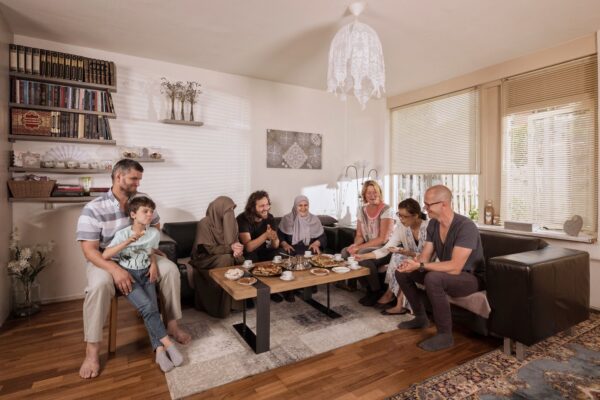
(315, 247)
(353, 249)
(237, 249)
(287, 248)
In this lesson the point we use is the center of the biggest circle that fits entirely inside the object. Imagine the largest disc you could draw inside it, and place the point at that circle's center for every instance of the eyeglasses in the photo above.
(428, 205)
(402, 216)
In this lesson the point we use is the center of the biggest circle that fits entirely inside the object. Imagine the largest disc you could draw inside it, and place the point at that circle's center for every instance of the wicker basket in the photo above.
(22, 189)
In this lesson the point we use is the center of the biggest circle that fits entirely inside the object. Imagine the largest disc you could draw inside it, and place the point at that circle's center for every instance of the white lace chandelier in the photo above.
(356, 61)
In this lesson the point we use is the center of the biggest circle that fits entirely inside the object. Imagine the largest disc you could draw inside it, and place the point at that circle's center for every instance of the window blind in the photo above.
(550, 145)
(437, 136)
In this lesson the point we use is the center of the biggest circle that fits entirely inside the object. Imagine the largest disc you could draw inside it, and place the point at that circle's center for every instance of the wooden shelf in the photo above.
(178, 122)
(62, 109)
(74, 199)
(145, 160)
(14, 138)
(76, 171)
(65, 82)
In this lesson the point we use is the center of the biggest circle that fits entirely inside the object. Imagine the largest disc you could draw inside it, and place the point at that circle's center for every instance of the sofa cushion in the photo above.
(184, 234)
(476, 302)
(327, 220)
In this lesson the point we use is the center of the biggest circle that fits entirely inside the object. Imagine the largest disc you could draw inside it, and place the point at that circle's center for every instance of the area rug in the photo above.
(565, 366)
(217, 355)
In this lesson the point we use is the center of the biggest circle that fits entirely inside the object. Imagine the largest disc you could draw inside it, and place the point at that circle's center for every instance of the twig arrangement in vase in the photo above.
(173, 91)
(191, 92)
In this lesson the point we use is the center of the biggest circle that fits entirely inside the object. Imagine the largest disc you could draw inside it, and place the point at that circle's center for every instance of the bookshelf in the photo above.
(72, 199)
(74, 171)
(30, 138)
(62, 109)
(62, 98)
(64, 82)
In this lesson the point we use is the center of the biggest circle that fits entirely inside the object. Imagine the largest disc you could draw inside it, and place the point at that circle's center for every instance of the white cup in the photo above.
(247, 263)
(351, 259)
(307, 254)
(277, 259)
(353, 265)
(337, 257)
(287, 275)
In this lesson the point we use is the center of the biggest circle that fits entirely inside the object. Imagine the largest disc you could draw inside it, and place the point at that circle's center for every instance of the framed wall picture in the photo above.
(297, 150)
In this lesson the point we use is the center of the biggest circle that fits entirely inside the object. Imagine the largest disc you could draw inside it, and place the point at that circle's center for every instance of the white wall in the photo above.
(6, 37)
(226, 156)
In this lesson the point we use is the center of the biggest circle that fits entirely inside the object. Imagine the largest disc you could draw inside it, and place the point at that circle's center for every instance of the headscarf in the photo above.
(301, 228)
(219, 227)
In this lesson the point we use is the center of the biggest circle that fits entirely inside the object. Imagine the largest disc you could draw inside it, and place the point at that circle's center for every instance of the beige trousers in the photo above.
(101, 289)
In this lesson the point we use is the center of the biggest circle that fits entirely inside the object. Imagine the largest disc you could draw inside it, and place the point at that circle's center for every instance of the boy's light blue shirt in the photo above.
(137, 254)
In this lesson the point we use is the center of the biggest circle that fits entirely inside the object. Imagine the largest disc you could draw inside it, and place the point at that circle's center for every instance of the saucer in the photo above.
(340, 270)
(286, 279)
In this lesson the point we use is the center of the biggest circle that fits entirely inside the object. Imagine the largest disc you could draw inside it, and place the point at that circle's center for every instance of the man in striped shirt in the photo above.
(100, 219)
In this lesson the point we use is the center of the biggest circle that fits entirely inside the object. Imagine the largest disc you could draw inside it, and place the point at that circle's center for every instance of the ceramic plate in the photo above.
(319, 271)
(247, 281)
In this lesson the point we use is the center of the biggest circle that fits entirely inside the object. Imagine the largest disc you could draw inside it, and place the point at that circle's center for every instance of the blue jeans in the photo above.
(143, 297)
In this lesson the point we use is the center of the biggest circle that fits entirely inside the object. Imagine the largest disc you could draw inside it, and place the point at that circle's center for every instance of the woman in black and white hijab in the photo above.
(300, 230)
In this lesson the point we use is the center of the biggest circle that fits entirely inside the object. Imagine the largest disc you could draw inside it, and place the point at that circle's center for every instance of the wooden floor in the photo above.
(40, 358)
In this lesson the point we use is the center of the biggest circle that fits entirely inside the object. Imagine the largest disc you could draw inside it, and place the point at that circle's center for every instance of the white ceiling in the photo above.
(424, 41)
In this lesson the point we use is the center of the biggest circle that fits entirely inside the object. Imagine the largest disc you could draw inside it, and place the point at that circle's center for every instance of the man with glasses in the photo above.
(454, 239)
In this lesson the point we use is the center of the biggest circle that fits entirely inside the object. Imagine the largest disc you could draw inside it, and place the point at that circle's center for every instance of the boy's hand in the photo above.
(135, 236)
(153, 273)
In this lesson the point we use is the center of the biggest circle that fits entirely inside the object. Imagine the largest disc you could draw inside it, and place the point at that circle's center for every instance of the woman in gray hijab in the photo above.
(216, 245)
(300, 230)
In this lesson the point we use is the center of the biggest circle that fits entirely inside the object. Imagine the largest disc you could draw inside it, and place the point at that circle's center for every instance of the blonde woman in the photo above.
(374, 227)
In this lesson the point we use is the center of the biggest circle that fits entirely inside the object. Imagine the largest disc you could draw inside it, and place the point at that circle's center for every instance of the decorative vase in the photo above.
(182, 110)
(191, 111)
(26, 298)
(172, 107)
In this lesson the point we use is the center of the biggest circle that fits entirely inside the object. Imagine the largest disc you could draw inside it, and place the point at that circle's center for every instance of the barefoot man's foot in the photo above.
(178, 334)
(90, 368)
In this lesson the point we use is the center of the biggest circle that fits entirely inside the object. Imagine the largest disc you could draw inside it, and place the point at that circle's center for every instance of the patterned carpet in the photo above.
(565, 366)
(217, 354)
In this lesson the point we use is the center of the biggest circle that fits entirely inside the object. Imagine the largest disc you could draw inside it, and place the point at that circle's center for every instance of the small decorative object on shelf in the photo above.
(86, 184)
(573, 226)
(191, 92)
(24, 266)
(173, 91)
(488, 213)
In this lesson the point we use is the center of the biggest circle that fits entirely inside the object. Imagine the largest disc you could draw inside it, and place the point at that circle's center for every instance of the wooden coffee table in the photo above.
(261, 291)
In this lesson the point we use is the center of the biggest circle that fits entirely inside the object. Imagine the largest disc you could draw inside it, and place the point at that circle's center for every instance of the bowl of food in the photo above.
(234, 274)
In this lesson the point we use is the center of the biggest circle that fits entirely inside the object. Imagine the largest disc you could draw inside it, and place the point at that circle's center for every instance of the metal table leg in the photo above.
(259, 342)
(307, 297)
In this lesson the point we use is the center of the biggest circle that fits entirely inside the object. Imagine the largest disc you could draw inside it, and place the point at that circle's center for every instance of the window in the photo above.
(550, 145)
(436, 141)
(464, 190)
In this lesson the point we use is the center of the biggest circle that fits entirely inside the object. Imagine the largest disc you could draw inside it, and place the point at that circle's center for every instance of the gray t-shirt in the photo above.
(462, 233)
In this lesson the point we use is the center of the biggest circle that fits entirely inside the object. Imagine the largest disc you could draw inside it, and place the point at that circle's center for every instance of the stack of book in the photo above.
(64, 190)
(59, 124)
(49, 95)
(55, 64)
(98, 191)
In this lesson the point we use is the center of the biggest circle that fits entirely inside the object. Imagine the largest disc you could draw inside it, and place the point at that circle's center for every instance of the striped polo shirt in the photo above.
(102, 217)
